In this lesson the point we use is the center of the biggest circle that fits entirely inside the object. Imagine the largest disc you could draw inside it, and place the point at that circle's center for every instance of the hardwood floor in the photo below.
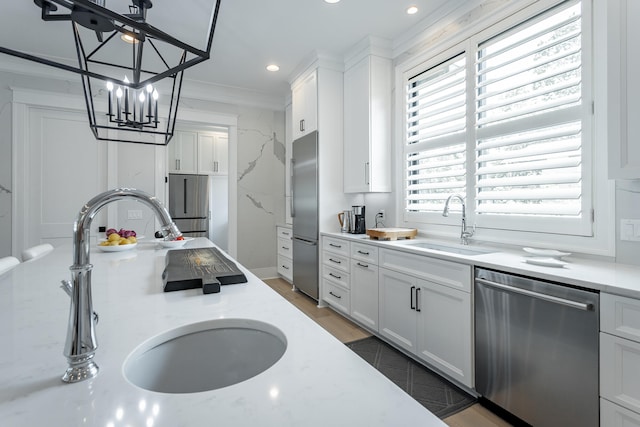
(346, 331)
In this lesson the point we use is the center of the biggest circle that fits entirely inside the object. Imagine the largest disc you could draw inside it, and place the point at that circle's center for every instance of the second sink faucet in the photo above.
(464, 233)
(81, 343)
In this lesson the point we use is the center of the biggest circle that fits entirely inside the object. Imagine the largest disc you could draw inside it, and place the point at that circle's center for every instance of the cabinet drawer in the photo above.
(620, 371)
(339, 277)
(447, 273)
(336, 261)
(285, 247)
(284, 232)
(337, 246)
(620, 316)
(616, 416)
(366, 253)
(285, 267)
(335, 296)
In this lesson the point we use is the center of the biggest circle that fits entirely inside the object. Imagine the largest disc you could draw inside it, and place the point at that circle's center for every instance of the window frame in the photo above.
(598, 239)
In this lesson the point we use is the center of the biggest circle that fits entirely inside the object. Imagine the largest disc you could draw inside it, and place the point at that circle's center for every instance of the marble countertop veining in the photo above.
(317, 382)
(605, 276)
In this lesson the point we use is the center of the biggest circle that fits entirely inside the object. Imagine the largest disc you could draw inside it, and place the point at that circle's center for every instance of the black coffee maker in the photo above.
(359, 226)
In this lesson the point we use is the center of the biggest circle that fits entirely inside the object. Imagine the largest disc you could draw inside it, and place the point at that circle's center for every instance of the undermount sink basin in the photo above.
(461, 250)
(205, 356)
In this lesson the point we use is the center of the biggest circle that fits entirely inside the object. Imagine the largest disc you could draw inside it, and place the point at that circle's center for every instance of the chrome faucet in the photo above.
(81, 343)
(464, 233)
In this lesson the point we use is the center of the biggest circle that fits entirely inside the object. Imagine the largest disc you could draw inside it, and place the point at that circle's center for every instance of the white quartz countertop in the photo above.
(317, 382)
(605, 276)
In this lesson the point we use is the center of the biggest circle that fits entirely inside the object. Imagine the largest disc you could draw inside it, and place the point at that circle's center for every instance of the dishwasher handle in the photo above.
(545, 297)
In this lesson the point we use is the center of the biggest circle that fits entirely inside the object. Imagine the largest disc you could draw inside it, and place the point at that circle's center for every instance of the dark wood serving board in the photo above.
(205, 268)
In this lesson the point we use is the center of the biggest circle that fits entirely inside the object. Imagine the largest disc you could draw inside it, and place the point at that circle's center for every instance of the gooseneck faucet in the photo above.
(81, 343)
(464, 233)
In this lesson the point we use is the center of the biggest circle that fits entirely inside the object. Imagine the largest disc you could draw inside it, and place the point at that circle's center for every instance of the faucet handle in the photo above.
(67, 287)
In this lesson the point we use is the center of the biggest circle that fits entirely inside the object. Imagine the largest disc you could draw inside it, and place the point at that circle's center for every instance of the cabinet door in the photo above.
(620, 371)
(397, 317)
(304, 104)
(183, 152)
(206, 154)
(367, 126)
(623, 86)
(612, 415)
(221, 155)
(357, 171)
(444, 330)
(364, 293)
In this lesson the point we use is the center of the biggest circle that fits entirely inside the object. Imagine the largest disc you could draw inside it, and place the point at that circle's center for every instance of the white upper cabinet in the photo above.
(623, 86)
(204, 153)
(305, 104)
(213, 154)
(183, 152)
(367, 126)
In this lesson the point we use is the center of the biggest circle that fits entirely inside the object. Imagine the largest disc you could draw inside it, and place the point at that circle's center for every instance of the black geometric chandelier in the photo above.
(129, 61)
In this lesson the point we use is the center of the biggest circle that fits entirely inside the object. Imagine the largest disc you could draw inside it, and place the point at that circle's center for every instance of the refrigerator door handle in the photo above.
(184, 200)
(292, 185)
(306, 242)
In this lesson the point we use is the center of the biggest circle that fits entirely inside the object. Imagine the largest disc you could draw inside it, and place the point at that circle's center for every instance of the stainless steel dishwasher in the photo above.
(536, 351)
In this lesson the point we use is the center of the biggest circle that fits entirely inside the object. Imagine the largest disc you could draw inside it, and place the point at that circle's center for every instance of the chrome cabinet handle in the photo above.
(367, 179)
(418, 299)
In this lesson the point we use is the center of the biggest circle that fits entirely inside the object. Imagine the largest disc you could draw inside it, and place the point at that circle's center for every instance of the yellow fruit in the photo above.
(114, 243)
(132, 239)
(114, 237)
(105, 243)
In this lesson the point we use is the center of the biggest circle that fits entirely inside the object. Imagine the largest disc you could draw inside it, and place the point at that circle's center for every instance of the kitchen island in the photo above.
(317, 382)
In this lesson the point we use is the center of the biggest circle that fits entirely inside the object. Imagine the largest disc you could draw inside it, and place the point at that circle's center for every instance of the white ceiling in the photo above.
(251, 34)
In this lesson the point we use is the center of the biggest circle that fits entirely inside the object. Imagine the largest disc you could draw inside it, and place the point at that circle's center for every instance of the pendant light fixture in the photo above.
(131, 56)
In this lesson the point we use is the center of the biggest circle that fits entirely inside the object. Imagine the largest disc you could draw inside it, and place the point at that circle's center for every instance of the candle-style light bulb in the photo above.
(126, 96)
(110, 89)
(150, 92)
(149, 89)
(118, 98)
(155, 99)
(141, 98)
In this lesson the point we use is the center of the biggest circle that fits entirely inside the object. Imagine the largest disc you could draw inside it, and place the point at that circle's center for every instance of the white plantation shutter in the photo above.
(435, 150)
(527, 123)
(529, 119)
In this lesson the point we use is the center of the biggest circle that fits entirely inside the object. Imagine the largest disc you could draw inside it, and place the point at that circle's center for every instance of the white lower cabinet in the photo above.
(429, 319)
(285, 253)
(364, 293)
(620, 359)
(612, 415)
(335, 276)
(397, 308)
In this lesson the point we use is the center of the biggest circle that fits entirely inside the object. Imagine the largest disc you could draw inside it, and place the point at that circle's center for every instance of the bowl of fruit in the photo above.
(118, 241)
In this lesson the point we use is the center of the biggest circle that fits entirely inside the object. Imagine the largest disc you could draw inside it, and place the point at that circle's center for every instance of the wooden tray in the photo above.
(391, 233)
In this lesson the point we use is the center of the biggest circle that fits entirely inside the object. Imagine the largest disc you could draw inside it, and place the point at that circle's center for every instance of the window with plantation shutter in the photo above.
(517, 102)
(436, 126)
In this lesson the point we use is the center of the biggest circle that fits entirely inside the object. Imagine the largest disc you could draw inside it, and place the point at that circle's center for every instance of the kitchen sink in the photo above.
(456, 249)
(205, 356)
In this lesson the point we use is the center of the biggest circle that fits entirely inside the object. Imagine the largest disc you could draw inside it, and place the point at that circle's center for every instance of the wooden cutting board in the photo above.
(391, 233)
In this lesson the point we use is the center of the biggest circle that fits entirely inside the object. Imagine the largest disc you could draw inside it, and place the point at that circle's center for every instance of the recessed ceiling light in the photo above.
(412, 10)
(331, 1)
(272, 67)
(129, 39)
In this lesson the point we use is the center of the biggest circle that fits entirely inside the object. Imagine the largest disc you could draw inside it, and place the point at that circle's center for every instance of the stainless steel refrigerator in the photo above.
(304, 212)
(189, 203)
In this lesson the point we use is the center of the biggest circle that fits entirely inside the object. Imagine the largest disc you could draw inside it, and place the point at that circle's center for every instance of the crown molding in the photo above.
(191, 89)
